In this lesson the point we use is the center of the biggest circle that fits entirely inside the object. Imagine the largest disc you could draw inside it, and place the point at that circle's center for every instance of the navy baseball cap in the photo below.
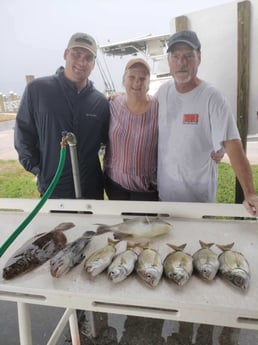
(184, 36)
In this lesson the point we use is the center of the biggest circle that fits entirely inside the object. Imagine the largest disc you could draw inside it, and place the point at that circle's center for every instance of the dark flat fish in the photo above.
(70, 256)
(36, 251)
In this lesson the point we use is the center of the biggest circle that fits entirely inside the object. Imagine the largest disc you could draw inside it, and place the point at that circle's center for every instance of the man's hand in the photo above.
(251, 204)
(217, 156)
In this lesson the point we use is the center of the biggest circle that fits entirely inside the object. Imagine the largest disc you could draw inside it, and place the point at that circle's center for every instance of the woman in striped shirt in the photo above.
(130, 162)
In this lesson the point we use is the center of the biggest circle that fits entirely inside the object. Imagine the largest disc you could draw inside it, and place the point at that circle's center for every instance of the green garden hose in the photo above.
(42, 201)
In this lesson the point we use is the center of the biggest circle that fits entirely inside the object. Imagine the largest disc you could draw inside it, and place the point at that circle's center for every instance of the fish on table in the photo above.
(178, 265)
(205, 261)
(36, 251)
(71, 255)
(99, 260)
(123, 263)
(138, 227)
(234, 267)
(149, 266)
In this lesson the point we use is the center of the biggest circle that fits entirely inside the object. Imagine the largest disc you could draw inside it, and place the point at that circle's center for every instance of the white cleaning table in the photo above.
(215, 303)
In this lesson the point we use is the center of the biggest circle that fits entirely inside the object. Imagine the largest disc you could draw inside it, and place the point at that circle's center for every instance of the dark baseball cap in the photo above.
(184, 36)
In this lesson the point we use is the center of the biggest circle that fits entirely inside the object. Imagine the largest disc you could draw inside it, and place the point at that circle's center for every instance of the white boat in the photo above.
(152, 48)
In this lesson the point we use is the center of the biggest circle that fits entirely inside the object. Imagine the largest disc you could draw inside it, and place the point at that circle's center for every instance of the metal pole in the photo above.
(72, 142)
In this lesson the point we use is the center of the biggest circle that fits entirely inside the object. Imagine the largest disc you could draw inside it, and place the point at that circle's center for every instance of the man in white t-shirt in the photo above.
(194, 121)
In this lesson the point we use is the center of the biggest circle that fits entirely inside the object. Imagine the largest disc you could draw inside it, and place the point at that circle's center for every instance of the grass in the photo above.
(226, 183)
(15, 182)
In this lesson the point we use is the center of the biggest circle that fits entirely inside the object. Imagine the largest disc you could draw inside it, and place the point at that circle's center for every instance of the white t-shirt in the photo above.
(191, 126)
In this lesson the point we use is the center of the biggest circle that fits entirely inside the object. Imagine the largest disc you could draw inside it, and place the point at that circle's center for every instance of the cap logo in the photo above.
(83, 40)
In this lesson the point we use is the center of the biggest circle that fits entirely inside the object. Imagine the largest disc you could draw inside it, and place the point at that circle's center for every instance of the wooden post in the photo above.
(181, 23)
(243, 77)
(29, 78)
(2, 108)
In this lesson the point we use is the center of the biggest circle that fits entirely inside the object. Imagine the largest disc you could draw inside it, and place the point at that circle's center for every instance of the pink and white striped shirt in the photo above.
(131, 154)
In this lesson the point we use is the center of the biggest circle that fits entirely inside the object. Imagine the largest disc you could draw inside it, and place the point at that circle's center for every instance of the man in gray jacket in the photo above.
(66, 101)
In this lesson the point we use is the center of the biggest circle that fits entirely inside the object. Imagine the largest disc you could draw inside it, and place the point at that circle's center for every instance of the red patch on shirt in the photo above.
(191, 119)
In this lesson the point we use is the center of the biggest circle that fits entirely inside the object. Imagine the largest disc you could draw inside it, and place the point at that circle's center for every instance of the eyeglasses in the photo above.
(77, 55)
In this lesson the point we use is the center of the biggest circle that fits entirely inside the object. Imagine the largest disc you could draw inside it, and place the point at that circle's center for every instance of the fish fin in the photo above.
(89, 233)
(64, 226)
(144, 245)
(121, 236)
(205, 245)
(177, 248)
(112, 242)
(131, 245)
(225, 247)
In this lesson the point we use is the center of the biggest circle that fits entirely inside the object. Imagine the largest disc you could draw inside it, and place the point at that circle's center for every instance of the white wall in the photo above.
(217, 30)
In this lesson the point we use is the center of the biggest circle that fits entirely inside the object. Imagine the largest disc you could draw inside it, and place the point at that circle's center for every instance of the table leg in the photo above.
(24, 321)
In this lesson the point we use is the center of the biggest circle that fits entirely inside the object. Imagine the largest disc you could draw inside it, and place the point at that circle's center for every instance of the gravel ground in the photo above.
(129, 330)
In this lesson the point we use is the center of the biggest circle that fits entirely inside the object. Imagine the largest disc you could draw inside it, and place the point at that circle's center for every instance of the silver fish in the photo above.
(205, 261)
(36, 251)
(70, 256)
(139, 227)
(98, 261)
(122, 265)
(178, 265)
(149, 266)
(234, 267)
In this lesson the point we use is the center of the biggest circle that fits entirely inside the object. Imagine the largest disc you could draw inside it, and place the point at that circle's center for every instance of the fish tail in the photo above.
(142, 245)
(177, 248)
(225, 247)
(205, 245)
(121, 236)
(102, 229)
(112, 242)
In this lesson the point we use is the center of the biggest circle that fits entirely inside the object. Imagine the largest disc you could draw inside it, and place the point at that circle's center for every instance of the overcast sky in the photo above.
(34, 33)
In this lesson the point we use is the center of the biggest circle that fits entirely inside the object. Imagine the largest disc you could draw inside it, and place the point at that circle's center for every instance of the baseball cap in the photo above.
(184, 36)
(135, 61)
(82, 40)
